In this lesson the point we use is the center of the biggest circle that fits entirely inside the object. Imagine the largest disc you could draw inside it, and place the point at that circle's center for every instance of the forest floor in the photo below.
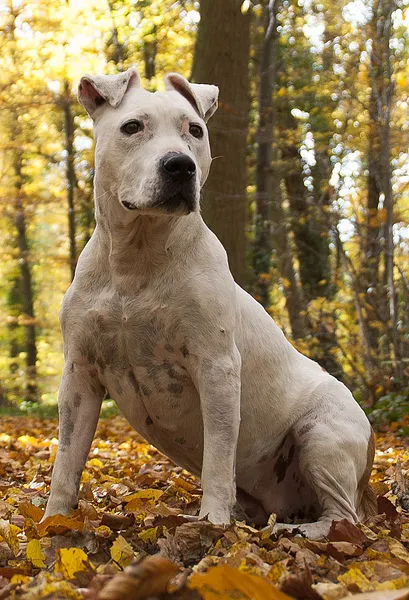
(127, 541)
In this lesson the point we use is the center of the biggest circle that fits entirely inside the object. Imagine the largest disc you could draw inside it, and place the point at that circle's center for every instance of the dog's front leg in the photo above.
(219, 388)
(79, 404)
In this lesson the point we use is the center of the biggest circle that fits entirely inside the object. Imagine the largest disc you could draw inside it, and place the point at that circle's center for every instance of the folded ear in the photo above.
(96, 90)
(201, 96)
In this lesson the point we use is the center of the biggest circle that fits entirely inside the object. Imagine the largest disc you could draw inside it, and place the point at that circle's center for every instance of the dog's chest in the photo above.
(141, 355)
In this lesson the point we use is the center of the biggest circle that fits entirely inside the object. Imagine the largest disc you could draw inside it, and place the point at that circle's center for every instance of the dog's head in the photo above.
(152, 149)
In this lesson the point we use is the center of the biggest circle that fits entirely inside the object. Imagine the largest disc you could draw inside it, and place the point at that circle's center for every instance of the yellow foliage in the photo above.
(122, 552)
(34, 553)
(227, 582)
(71, 561)
(9, 533)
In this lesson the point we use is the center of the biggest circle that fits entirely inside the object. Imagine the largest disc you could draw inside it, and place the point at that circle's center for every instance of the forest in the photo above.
(309, 194)
(308, 191)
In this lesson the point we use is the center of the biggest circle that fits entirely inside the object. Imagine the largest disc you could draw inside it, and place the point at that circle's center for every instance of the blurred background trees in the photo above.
(308, 190)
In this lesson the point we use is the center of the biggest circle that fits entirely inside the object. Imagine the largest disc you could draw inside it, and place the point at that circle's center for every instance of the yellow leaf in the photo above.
(9, 533)
(149, 535)
(229, 583)
(122, 552)
(71, 561)
(142, 499)
(34, 553)
(20, 579)
(95, 462)
(356, 577)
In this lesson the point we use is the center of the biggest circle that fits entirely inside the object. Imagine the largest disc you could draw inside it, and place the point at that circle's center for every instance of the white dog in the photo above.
(195, 364)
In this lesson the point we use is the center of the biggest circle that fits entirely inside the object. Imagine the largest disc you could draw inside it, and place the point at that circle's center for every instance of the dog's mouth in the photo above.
(128, 205)
(177, 203)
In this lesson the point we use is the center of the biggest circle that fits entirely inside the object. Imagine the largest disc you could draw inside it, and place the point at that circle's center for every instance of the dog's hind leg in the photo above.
(335, 455)
(79, 405)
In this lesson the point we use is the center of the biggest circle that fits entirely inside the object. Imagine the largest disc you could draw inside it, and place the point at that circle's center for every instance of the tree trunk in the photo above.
(69, 128)
(262, 245)
(380, 292)
(270, 217)
(26, 287)
(222, 58)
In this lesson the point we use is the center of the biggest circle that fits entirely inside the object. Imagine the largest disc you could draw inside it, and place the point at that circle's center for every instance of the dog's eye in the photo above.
(195, 130)
(132, 127)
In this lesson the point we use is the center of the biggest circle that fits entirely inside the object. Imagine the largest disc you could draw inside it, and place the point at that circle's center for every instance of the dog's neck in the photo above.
(138, 243)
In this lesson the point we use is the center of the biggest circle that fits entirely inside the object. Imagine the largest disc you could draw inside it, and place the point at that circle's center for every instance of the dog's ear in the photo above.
(96, 90)
(201, 96)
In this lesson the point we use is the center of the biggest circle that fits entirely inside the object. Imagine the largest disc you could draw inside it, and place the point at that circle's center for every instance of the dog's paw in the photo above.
(313, 531)
(217, 517)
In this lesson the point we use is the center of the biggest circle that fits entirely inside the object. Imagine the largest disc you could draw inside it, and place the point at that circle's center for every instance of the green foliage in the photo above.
(392, 412)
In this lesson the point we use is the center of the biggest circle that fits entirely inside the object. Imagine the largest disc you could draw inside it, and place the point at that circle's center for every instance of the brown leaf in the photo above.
(402, 594)
(338, 550)
(140, 580)
(30, 511)
(300, 586)
(117, 522)
(58, 524)
(190, 542)
(345, 531)
(386, 507)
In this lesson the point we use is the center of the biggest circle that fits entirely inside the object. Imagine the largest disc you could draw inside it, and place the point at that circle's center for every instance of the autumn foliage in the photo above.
(131, 536)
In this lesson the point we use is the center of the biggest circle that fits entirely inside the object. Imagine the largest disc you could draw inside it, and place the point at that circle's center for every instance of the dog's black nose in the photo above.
(178, 166)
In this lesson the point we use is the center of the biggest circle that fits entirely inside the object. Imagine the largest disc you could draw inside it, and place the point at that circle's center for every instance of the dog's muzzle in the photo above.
(178, 183)
(180, 168)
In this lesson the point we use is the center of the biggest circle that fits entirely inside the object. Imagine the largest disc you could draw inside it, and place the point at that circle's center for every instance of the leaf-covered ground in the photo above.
(126, 540)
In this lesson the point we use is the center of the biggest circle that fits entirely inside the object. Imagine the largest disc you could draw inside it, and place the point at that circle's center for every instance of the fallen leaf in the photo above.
(122, 552)
(140, 580)
(345, 531)
(59, 524)
(34, 553)
(71, 561)
(402, 594)
(9, 534)
(30, 511)
(229, 583)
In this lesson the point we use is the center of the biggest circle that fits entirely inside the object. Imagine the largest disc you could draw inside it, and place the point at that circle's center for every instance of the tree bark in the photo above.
(222, 58)
(27, 293)
(379, 289)
(69, 128)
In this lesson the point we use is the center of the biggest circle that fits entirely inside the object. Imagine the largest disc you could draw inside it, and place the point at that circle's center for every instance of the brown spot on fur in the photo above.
(263, 458)
(305, 429)
(77, 399)
(140, 388)
(280, 447)
(184, 351)
(101, 363)
(180, 440)
(175, 388)
(169, 348)
(282, 464)
(148, 420)
(367, 504)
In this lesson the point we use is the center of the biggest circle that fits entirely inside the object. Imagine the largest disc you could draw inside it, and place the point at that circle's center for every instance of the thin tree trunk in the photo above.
(262, 245)
(69, 128)
(26, 286)
(381, 296)
(222, 58)
(270, 218)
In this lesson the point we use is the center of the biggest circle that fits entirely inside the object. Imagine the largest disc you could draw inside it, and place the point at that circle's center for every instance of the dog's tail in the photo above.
(367, 504)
